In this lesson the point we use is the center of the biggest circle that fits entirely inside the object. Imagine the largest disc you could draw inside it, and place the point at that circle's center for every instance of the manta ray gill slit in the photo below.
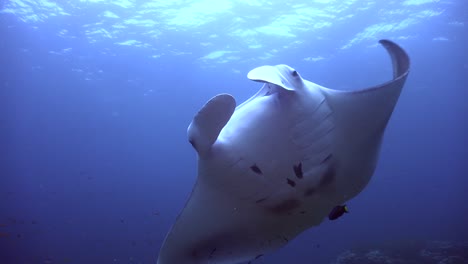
(327, 158)
(309, 192)
(328, 177)
(285, 206)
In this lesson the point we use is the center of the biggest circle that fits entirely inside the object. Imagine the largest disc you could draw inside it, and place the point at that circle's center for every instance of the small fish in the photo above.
(338, 211)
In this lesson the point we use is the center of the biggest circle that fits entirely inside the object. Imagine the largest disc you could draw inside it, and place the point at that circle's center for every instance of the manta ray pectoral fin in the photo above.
(208, 122)
(400, 60)
(280, 75)
(363, 115)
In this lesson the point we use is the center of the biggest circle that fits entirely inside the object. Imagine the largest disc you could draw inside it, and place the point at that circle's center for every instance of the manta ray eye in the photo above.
(294, 73)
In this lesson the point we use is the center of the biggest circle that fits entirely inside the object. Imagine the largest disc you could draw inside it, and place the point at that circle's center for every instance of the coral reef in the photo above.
(407, 252)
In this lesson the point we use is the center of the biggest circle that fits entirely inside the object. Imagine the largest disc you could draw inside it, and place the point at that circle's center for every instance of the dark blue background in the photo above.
(95, 171)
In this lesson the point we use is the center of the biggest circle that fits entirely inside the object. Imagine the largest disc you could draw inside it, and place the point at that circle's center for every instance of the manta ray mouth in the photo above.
(270, 89)
(273, 89)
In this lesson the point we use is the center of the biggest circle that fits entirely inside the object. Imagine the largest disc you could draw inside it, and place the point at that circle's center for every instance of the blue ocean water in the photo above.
(96, 97)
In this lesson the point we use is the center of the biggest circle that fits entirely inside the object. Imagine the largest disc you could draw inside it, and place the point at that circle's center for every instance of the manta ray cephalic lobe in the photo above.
(278, 163)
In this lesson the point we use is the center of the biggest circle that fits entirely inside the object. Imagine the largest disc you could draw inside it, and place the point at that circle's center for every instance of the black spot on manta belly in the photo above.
(256, 169)
(291, 182)
(298, 170)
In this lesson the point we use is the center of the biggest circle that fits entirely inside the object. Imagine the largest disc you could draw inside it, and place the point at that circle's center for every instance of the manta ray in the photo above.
(278, 163)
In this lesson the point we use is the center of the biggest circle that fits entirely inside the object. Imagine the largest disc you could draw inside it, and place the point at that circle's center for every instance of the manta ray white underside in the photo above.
(278, 163)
